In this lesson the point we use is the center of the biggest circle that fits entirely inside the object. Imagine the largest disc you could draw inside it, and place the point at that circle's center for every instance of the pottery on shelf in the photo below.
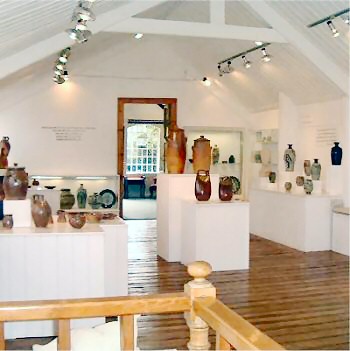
(81, 196)
(315, 170)
(289, 158)
(215, 154)
(94, 201)
(41, 211)
(94, 217)
(77, 219)
(202, 186)
(4, 152)
(288, 186)
(15, 183)
(231, 159)
(7, 221)
(308, 186)
(61, 216)
(336, 154)
(225, 188)
(176, 151)
(201, 154)
(307, 167)
(67, 199)
(300, 180)
(272, 177)
(35, 182)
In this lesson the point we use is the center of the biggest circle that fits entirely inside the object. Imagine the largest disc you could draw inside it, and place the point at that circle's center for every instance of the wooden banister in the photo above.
(232, 327)
(127, 332)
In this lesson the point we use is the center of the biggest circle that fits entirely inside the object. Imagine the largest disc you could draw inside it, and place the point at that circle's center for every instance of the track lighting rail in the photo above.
(329, 18)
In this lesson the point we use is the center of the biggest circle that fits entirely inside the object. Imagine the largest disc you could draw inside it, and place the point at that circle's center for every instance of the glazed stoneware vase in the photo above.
(77, 219)
(225, 188)
(201, 154)
(272, 177)
(95, 201)
(299, 180)
(288, 186)
(176, 151)
(202, 186)
(215, 154)
(307, 167)
(41, 211)
(308, 186)
(336, 154)
(4, 152)
(61, 216)
(15, 183)
(7, 221)
(67, 199)
(315, 170)
(289, 158)
(81, 196)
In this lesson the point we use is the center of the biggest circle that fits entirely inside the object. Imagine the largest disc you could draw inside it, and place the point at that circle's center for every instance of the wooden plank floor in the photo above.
(299, 299)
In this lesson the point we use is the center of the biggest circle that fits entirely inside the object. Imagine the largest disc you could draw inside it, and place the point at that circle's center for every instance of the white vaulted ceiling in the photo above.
(24, 24)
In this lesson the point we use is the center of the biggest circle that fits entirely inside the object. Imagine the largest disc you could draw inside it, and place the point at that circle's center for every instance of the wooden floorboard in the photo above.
(299, 299)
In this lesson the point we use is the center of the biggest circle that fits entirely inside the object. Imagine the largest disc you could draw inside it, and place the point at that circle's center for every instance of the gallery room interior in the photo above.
(174, 174)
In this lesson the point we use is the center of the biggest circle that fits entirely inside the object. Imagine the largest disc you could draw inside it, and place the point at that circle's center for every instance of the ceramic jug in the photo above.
(15, 183)
(203, 186)
(201, 154)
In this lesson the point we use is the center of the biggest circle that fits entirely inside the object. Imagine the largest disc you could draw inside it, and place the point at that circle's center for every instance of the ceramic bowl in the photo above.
(77, 219)
(94, 217)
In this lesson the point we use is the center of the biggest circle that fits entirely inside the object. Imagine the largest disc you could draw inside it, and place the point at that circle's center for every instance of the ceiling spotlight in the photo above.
(81, 25)
(246, 63)
(138, 35)
(265, 57)
(221, 72)
(333, 29)
(206, 82)
(83, 13)
(258, 43)
(65, 75)
(64, 54)
(78, 35)
(59, 65)
(58, 72)
(346, 20)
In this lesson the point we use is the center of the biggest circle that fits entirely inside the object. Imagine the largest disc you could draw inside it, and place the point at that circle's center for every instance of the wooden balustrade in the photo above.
(199, 304)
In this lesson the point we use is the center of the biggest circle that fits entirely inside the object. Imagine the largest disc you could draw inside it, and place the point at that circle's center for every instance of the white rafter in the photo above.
(195, 29)
(217, 11)
(305, 47)
(54, 44)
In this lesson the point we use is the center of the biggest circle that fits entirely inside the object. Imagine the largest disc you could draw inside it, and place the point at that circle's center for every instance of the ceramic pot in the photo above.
(15, 183)
(307, 167)
(202, 186)
(272, 177)
(77, 219)
(308, 186)
(315, 170)
(41, 211)
(231, 159)
(7, 221)
(95, 201)
(61, 217)
(215, 154)
(336, 154)
(81, 196)
(67, 199)
(300, 180)
(288, 186)
(94, 217)
(4, 152)
(176, 151)
(289, 158)
(225, 188)
(35, 182)
(201, 154)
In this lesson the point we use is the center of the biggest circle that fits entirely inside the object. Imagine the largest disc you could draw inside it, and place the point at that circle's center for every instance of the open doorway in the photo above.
(143, 125)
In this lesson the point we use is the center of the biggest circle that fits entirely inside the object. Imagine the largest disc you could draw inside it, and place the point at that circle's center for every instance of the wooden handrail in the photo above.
(97, 307)
(231, 326)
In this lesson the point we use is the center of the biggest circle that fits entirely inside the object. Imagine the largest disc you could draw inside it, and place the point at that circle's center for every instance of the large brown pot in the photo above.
(225, 189)
(15, 183)
(201, 154)
(41, 211)
(176, 151)
(202, 188)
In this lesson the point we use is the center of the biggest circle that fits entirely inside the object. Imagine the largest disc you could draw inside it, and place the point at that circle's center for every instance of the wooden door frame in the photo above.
(122, 101)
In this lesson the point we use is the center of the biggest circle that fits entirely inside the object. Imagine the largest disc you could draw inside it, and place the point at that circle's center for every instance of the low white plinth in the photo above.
(60, 262)
(302, 221)
(21, 212)
(216, 232)
(52, 196)
(340, 231)
(171, 189)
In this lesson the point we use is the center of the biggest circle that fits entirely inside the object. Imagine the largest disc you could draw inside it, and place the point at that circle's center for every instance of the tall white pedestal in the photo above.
(21, 212)
(216, 232)
(171, 189)
(303, 222)
(340, 231)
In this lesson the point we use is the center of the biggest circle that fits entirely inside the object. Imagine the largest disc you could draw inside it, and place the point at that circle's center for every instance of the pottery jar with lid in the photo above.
(15, 183)
(201, 154)
(176, 151)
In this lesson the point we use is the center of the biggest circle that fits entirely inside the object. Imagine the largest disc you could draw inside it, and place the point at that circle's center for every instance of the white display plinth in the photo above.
(302, 222)
(171, 189)
(216, 232)
(60, 262)
(52, 196)
(340, 232)
(21, 212)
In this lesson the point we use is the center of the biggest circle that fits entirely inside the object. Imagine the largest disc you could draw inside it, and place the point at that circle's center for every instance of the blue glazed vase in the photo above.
(81, 196)
(336, 154)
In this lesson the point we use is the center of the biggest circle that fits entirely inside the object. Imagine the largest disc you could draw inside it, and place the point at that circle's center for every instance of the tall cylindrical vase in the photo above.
(289, 158)
(81, 196)
(176, 151)
(201, 154)
(336, 154)
(315, 170)
(203, 186)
